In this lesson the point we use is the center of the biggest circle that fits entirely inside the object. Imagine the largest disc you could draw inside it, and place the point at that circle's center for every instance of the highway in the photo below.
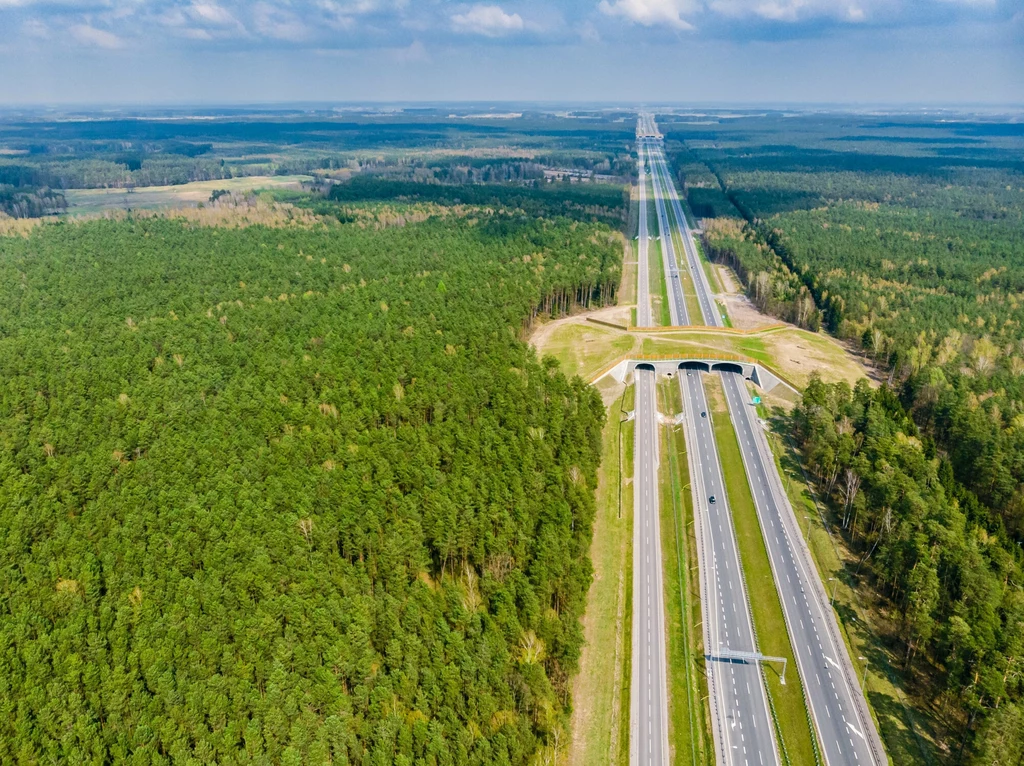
(649, 682)
(643, 279)
(677, 306)
(739, 705)
(741, 719)
(837, 706)
(648, 736)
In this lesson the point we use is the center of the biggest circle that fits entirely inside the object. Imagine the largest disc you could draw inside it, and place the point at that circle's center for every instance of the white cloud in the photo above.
(279, 24)
(793, 11)
(97, 38)
(588, 32)
(650, 12)
(211, 13)
(487, 20)
(194, 33)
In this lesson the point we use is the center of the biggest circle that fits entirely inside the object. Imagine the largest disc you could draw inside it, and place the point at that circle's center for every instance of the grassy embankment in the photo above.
(586, 349)
(690, 735)
(600, 720)
(627, 287)
(793, 723)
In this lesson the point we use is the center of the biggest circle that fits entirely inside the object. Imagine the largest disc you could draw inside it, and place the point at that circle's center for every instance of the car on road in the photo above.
(711, 499)
(704, 414)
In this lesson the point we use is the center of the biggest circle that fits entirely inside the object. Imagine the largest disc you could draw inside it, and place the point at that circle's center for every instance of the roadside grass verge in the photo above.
(794, 726)
(909, 730)
(724, 313)
(689, 719)
(599, 727)
(709, 269)
(628, 291)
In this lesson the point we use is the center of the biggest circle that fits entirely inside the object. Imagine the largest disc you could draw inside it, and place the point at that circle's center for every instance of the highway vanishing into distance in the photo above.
(676, 305)
(837, 707)
(741, 718)
(643, 278)
(648, 739)
(649, 681)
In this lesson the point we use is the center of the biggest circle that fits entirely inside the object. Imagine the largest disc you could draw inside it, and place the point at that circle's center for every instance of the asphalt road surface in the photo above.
(643, 278)
(742, 723)
(677, 306)
(739, 706)
(649, 683)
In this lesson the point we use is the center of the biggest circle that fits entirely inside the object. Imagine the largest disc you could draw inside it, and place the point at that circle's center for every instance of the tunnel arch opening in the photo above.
(727, 367)
(702, 366)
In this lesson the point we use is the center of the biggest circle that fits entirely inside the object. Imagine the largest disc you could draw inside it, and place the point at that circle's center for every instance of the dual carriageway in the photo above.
(742, 723)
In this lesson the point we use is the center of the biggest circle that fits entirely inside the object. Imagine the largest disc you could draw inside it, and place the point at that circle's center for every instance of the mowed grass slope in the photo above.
(599, 727)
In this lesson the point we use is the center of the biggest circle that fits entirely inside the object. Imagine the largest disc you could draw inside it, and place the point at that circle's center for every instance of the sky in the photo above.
(138, 52)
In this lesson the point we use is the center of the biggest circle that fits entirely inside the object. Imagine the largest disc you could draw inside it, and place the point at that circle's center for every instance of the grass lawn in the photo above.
(599, 727)
(584, 349)
(793, 723)
(627, 287)
(724, 313)
(690, 735)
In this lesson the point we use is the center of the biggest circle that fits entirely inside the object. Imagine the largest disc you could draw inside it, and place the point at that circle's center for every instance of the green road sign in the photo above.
(757, 400)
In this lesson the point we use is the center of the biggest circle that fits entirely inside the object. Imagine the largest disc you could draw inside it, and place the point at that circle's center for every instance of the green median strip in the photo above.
(659, 289)
(689, 718)
(793, 723)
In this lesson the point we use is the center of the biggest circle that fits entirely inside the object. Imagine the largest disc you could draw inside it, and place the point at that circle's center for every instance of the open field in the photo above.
(792, 720)
(91, 201)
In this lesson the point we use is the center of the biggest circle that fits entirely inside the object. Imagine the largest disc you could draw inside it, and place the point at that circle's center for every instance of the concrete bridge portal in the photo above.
(755, 373)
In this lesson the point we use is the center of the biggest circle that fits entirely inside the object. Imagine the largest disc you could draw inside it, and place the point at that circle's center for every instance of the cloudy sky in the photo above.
(232, 51)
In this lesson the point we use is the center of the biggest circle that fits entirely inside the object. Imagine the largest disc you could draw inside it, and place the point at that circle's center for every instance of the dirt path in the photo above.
(743, 313)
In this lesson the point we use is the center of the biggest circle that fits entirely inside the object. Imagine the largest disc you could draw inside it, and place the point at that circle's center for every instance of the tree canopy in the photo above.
(292, 494)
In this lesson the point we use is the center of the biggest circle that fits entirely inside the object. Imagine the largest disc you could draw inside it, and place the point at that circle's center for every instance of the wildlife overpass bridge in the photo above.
(763, 378)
